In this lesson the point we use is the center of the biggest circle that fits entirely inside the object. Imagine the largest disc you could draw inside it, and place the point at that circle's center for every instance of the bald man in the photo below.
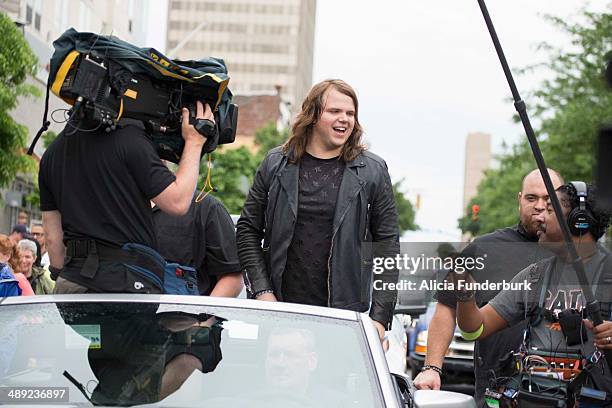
(508, 251)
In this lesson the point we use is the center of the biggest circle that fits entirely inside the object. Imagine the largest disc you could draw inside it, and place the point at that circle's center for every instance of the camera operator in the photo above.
(553, 303)
(95, 189)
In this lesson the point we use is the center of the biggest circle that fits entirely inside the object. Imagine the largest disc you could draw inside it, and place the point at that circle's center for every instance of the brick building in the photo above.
(256, 111)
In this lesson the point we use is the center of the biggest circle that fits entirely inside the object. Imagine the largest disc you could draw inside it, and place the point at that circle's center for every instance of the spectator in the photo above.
(38, 233)
(22, 218)
(9, 256)
(18, 233)
(39, 278)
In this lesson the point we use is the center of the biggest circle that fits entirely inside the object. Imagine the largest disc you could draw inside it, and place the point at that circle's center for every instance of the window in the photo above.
(268, 69)
(29, 13)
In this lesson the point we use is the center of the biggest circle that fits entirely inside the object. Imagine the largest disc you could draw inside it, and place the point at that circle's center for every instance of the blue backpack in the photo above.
(177, 279)
(9, 286)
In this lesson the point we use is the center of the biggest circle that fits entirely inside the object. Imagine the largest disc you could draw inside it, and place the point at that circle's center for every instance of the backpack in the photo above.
(9, 286)
(177, 279)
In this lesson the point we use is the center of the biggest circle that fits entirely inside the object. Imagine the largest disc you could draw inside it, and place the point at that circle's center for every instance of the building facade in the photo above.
(265, 43)
(258, 110)
(477, 160)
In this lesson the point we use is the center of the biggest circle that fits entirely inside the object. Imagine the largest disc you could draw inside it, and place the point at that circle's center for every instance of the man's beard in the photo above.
(531, 227)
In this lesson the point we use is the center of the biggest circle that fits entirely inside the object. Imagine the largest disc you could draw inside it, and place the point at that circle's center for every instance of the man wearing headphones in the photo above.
(506, 251)
(551, 289)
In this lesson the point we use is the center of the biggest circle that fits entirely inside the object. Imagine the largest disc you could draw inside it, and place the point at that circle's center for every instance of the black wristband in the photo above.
(432, 367)
(262, 292)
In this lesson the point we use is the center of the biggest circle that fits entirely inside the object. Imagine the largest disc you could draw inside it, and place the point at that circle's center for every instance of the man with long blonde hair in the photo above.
(324, 206)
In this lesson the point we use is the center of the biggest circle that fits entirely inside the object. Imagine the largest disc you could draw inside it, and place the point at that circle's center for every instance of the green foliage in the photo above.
(570, 107)
(233, 171)
(34, 198)
(268, 138)
(16, 62)
(48, 138)
(405, 210)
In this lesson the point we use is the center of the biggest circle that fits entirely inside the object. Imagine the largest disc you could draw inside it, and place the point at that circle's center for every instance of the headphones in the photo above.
(580, 219)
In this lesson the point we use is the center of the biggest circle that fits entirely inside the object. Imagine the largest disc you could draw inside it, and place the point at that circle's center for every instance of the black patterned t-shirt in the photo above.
(305, 279)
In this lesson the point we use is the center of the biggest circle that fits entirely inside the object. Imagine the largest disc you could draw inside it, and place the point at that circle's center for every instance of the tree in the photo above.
(232, 174)
(48, 138)
(16, 62)
(570, 108)
(268, 138)
(405, 210)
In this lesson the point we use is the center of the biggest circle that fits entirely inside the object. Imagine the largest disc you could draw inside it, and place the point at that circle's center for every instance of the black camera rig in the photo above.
(106, 80)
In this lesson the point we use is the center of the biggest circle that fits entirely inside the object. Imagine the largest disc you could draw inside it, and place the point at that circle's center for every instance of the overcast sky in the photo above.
(426, 74)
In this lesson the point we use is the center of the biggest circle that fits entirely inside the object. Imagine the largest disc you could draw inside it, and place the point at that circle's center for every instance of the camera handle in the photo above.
(592, 305)
(208, 129)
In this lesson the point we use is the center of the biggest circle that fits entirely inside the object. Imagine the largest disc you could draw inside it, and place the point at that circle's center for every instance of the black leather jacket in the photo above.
(365, 225)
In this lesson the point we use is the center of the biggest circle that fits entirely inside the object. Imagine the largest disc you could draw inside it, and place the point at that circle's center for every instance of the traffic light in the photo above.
(475, 209)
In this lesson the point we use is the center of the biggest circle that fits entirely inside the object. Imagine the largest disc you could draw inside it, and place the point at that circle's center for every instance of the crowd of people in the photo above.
(24, 260)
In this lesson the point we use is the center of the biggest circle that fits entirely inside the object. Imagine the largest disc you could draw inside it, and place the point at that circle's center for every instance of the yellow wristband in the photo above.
(471, 336)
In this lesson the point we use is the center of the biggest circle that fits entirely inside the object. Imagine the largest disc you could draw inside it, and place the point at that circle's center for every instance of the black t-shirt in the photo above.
(306, 272)
(101, 183)
(203, 238)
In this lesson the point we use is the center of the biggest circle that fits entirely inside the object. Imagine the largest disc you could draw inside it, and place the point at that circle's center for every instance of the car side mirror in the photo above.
(442, 399)
(403, 389)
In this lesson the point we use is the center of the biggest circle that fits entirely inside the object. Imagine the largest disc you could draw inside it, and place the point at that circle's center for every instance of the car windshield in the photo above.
(116, 353)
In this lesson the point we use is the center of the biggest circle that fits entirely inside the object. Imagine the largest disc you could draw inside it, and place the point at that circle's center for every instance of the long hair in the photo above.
(8, 248)
(312, 108)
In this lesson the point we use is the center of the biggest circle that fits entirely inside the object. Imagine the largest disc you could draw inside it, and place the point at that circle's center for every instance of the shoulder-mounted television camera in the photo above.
(106, 80)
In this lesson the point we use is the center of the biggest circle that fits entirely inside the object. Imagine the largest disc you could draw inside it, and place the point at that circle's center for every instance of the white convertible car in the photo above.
(183, 351)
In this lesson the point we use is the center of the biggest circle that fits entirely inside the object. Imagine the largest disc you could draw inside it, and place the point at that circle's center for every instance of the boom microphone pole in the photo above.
(592, 305)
